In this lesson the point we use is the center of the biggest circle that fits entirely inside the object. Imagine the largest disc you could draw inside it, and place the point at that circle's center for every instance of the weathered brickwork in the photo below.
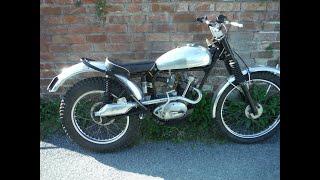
(144, 29)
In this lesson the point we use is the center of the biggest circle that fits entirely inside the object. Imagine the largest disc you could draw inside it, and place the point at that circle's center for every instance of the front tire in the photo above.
(91, 132)
(233, 114)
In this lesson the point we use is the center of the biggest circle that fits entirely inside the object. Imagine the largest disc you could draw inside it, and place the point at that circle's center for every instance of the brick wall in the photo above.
(144, 29)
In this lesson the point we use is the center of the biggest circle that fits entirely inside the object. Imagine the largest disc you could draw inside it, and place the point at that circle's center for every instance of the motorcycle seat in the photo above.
(130, 67)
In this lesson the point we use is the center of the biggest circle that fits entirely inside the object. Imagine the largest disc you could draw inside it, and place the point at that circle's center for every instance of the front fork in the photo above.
(247, 95)
(233, 68)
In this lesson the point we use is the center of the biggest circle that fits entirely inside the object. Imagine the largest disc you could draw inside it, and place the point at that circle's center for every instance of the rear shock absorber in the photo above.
(106, 97)
(144, 86)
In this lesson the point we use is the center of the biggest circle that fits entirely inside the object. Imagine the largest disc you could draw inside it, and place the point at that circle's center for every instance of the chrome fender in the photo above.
(79, 68)
(231, 79)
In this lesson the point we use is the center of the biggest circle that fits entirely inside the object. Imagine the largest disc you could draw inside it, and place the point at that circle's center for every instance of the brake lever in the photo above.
(202, 19)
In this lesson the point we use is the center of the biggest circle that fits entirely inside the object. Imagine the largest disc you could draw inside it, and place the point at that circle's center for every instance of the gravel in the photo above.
(62, 159)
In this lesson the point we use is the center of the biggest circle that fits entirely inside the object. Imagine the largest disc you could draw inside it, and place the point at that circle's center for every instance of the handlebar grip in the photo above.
(200, 19)
(236, 24)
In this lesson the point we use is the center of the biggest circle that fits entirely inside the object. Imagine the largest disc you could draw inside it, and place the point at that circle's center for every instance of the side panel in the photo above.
(231, 79)
(184, 57)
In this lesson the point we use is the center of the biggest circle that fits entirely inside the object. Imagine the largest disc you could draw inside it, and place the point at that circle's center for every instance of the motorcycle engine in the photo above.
(173, 112)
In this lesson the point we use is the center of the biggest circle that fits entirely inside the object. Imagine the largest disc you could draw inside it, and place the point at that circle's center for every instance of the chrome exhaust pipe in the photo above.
(124, 107)
(115, 109)
(162, 100)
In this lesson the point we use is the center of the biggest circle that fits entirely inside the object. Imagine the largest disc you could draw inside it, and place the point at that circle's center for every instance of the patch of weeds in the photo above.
(101, 9)
(49, 117)
(78, 3)
(269, 48)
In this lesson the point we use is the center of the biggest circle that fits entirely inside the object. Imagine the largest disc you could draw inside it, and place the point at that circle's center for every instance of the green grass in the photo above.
(199, 126)
(269, 47)
(49, 117)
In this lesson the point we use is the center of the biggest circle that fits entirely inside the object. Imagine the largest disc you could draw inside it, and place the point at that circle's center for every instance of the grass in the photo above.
(49, 117)
(269, 47)
(199, 126)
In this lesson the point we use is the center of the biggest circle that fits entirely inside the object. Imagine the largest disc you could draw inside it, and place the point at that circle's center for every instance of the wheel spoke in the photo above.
(115, 124)
(110, 131)
(268, 90)
(114, 96)
(87, 128)
(97, 132)
(87, 119)
(107, 130)
(122, 92)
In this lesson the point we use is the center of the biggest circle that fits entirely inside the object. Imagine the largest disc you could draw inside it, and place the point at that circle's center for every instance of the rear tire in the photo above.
(131, 131)
(231, 133)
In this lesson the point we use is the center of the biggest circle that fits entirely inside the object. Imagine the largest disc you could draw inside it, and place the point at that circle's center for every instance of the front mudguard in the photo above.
(231, 79)
(80, 68)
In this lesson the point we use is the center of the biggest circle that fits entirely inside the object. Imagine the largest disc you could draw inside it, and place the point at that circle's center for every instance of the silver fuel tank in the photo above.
(184, 57)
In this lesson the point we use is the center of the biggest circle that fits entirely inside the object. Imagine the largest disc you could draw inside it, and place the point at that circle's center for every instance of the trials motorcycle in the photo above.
(102, 113)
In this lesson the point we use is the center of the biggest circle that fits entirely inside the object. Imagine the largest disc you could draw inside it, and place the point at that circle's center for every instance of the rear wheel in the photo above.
(91, 132)
(234, 115)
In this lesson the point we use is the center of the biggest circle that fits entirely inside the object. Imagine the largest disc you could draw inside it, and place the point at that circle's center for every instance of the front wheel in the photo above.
(234, 115)
(101, 134)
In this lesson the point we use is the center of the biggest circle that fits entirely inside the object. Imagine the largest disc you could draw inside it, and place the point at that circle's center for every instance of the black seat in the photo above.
(131, 67)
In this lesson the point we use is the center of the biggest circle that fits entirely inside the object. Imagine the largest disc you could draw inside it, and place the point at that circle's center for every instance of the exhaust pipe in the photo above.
(176, 98)
(123, 107)
(115, 109)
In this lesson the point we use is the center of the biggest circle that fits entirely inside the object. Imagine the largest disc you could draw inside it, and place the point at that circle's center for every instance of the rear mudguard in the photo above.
(231, 79)
(80, 68)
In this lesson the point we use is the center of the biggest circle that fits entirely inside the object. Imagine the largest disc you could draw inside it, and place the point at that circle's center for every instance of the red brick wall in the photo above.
(144, 29)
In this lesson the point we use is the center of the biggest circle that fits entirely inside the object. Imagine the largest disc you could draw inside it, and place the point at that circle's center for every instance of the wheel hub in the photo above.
(250, 115)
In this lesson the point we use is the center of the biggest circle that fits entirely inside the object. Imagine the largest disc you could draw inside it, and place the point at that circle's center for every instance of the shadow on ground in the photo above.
(188, 160)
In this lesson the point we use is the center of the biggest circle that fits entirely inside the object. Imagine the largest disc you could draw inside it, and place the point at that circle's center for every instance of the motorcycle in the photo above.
(102, 113)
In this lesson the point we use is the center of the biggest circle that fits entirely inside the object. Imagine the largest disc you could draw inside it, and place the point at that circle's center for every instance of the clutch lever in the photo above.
(202, 19)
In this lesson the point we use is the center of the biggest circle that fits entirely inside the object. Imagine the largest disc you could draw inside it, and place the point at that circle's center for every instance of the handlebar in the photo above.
(235, 24)
(220, 19)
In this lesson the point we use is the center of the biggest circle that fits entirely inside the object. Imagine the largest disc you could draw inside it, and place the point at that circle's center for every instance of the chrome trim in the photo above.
(231, 79)
(73, 70)
(136, 91)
